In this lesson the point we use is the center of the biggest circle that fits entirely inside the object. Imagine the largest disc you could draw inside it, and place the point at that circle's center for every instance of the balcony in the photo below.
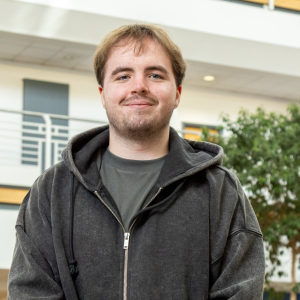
(31, 142)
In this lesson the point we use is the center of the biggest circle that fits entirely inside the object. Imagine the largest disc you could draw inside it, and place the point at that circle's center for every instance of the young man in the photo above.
(134, 212)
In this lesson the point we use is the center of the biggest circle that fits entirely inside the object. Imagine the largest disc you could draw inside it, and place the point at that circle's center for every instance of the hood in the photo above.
(185, 157)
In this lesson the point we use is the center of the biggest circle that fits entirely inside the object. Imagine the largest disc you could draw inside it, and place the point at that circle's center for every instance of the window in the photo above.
(49, 98)
(197, 128)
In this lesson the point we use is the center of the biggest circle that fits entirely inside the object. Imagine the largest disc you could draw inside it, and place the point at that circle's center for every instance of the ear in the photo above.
(101, 91)
(178, 95)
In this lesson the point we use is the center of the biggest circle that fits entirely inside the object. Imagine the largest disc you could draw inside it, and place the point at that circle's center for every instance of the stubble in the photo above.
(139, 125)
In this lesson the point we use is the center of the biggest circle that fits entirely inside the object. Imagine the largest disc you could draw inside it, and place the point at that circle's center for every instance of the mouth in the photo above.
(139, 103)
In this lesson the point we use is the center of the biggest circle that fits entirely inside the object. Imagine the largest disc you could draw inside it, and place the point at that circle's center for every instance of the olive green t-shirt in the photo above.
(129, 181)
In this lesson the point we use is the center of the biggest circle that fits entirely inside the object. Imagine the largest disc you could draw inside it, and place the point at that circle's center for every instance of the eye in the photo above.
(156, 76)
(124, 77)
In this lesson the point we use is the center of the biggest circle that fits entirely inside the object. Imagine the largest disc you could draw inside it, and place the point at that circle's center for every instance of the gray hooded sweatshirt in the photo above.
(197, 237)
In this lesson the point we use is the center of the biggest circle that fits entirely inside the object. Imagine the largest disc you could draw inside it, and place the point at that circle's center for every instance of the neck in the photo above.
(149, 149)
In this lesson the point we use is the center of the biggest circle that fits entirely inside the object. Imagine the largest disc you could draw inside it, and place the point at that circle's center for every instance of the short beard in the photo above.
(147, 132)
(130, 129)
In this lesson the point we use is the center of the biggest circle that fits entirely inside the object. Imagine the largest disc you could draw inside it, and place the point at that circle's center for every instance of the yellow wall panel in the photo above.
(12, 196)
(289, 4)
(3, 284)
(191, 136)
(196, 137)
(258, 1)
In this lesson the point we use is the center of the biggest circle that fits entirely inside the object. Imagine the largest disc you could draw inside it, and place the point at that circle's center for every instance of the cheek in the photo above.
(165, 93)
(114, 96)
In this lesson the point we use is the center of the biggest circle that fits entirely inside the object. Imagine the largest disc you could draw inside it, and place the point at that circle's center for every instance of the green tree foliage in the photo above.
(264, 151)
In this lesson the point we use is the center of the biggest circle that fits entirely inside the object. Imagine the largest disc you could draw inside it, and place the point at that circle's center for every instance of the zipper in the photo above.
(96, 193)
(126, 245)
(146, 206)
(126, 239)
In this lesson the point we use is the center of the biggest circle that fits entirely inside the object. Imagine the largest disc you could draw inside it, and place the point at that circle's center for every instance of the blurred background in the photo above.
(240, 54)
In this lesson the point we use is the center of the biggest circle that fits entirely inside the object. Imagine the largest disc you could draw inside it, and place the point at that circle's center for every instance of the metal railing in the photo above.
(37, 143)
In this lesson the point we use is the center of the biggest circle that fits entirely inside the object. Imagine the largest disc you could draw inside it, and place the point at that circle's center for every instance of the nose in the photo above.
(139, 87)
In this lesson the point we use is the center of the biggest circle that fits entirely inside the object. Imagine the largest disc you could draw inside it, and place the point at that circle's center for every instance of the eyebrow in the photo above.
(121, 69)
(157, 68)
(150, 68)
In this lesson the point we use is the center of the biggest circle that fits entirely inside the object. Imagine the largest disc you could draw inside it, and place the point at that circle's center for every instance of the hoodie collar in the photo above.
(81, 153)
(184, 159)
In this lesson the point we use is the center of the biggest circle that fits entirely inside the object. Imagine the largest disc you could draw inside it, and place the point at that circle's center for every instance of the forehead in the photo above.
(133, 53)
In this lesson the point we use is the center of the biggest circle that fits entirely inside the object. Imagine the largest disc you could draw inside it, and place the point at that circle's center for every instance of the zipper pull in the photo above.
(126, 240)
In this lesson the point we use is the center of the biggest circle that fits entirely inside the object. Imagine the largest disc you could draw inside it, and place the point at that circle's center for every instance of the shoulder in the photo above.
(219, 176)
(38, 200)
(235, 182)
(58, 171)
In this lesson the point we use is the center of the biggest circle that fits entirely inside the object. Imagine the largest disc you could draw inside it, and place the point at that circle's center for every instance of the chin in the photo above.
(139, 127)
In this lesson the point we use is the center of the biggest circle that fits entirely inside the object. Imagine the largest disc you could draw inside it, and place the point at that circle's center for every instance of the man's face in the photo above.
(139, 91)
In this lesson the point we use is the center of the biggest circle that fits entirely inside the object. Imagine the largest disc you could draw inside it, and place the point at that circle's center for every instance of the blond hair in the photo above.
(135, 35)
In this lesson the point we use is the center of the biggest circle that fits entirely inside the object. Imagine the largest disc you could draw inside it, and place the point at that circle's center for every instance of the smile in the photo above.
(139, 103)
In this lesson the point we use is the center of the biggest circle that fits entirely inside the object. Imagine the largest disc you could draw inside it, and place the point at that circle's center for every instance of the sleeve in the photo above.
(237, 259)
(239, 274)
(34, 273)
